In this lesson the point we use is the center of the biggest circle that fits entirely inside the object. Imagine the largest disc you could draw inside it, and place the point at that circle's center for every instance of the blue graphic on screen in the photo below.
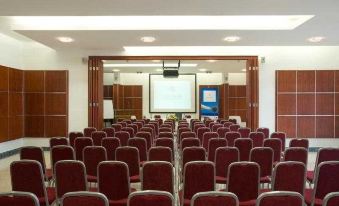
(209, 102)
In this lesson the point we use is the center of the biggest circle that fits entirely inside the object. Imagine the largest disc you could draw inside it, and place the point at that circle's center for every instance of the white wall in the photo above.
(237, 78)
(11, 52)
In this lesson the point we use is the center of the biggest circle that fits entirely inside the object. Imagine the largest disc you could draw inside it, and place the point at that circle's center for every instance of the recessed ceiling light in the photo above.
(65, 39)
(316, 39)
(156, 60)
(158, 70)
(202, 69)
(148, 65)
(211, 60)
(147, 39)
(232, 38)
(243, 70)
(116, 70)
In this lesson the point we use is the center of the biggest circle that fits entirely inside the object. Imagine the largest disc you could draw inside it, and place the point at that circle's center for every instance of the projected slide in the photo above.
(172, 94)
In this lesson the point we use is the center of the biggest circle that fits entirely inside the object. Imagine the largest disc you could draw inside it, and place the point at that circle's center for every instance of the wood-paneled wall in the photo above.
(237, 101)
(307, 103)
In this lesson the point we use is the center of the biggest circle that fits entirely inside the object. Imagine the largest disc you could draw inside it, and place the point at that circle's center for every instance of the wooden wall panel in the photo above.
(34, 81)
(3, 78)
(286, 81)
(16, 127)
(56, 81)
(4, 104)
(325, 127)
(306, 81)
(305, 104)
(337, 103)
(337, 127)
(56, 104)
(55, 126)
(337, 80)
(287, 104)
(325, 81)
(16, 104)
(34, 104)
(16, 82)
(3, 128)
(34, 126)
(287, 124)
(306, 126)
(325, 104)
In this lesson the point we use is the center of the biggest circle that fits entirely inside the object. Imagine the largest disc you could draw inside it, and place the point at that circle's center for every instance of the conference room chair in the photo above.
(166, 125)
(70, 176)
(207, 122)
(117, 127)
(234, 127)
(257, 138)
(130, 155)
(331, 199)
(275, 144)
(222, 131)
(222, 121)
(55, 141)
(18, 199)
(84, 199)
(282, 137)
(134, 127)
(211, 124)
(141, 145)
(264, 157)
(97, 137)
(298, 154)
(73, 135)
(325, 182)
(160, 154)
(123, 136)
(166, 142)
(164, 129)
(150, 130)
(189, 142)
(181, 125)
(80, 144)
(123, 124)
(264, 130)
(93, 155)
(166, 135)
(193, 121)
(151, 198)
(110, 144)
(185, 135)
(215, 127)
(146, 121)
(129, 130)
(214, 199)
(199, 176)
(198, 126)
(114, 182)
(244, 145)
(299, 142)
(88, 131)
(227, 124)
(61, 152)
(28, 176)
(280, 198)
(244, 132)
(36, 153)
(201, 131)
(157, 175)
(181, 130)
(190, 154)
(156, 126)
(243, 180)
(231, 137)
(139, 124)
(224, 156)
(128, 121)
(109, 131)
(152, 125)
(234, 121)
(213, 145)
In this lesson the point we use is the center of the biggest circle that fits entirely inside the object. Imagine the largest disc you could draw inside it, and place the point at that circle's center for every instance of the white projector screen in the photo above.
(169, 95)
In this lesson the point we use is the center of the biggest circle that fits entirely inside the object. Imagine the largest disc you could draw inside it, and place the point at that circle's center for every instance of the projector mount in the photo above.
(170, 71)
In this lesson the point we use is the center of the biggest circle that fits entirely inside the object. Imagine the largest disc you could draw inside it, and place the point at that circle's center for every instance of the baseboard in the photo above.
(16, 151)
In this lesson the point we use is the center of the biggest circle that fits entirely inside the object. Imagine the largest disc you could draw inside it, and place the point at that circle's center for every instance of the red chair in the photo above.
(282, 137)
(27, 176)
(275, 144)
(244, 132)
(289, 176)
(214, 199)
(206, 138)
(198, 126)
(146, 121)
(201, 131)
(231, 137)
(181, 130)
(180, 126)
(123, 124)
(141, 145)
(281, 198)
(166, 135)
(117, 127)
(257, 138)
(123, 136)
(109, 131)
(187, 135)
(93, 155)
(190, 154)
(72, 136)
(88, 131)
(97, 137)
(228, 124)
(139, 125)
(18, 199)
(151, 198)
(84, 199)
(166, 142)
(164, 129)
(114, 181)
(224, 156)
(243, 180)
(157, 175)
(189, 142)
(300, 142)
(129, 130)
(208, 122)
(155, 127)
(332, 199)
(166, 126)
(160, 154)
(264, 130)
(130, 155)
(61, 152)
(110, 144)
(213, 145)
(215, 127)
(264, 157)
(149, 130)
(147, 136)
(234, 127)
(199, 176)
(79, 145)
(55, 141)
(298, 154)
(128, 121)
(70, 176)
(244, 145)
(326, 181)
(234, 121)
(211, 124)
(222, 131)
(134, 127)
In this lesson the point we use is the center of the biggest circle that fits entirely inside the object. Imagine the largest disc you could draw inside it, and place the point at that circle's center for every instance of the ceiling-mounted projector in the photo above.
(170, 71)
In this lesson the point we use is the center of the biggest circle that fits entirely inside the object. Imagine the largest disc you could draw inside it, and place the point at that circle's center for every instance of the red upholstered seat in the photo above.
(129, 130)
(166, 135)
(149, 130)
(134, 127)
(222, 131)
(165, 129)
(224, 156)
(181, 130)
(110, 144)
(151, 198)
(228, 124)
(206, 138)
(88, 131)
(189, 142)
(282, 137)
(244, 132)
(213, 145)
(187, 134)
(72, 136)
(332, 199)
(18, 199)
(231, 137)
(298, 154)
(93, 155)
(141, 144)
(215, 199)
(257, 138)
(264, 157)
(109, 131)
(264, 130)
(234, 127)
(158, 175)
(275, 144)
(84, 199)
(201, 131)
(244, 145)
(123, 136)
(147, 136)
(61, 152)
(130, 155)
(55, 141)
(160, 153)
(215, 127)
(299, 142)
(117, 127)
(280, 199)
(193, 154)
(79, 145)
(97, 137)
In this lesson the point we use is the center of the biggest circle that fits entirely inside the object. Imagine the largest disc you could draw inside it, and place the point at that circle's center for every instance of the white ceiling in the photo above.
(325, 23)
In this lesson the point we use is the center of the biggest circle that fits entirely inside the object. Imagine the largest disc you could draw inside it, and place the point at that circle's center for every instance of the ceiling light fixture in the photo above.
(158, 70)
(316, 39)
(232, 38)
(156, 60)
(65, 39)
(147, 39)
(116, 70)
(211, 60)
(202, 69)
(243, 70)
(148, 65)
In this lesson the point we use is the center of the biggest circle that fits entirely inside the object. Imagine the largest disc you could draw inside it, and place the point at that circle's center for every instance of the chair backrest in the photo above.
(206, 138)
(147, 136)
(208, 122)
(214, 199)
(129, 155)
(181, 125)
(123, 136)
(222, 131)
(215, 127)
(18, 199)
(70, 176)
(244, 145)
(231, 137)
(199, 176)
(93, 155)
(129, 130)
(165, 142)
(234, 127)
(198, 126)
(228, 124)
(201, 131)
(189, 142)
(165, 129)
(243, 180)
(97, 137)
(165, 135)
(134, 127)
(264, 130)
(88, 131)
(33, 153)
(257, 138)
(188, 134)
(73, 135)
(298, 154)
(79, 145)
(181, 130)
(190, 154)
(244, 132)
(84, 199)
(141, 144)
(55, 141)
(109, 131)
(327, 154)
(113, 180)
(61, 152)
(128, 121)
(123, 124)
(299, 142)
(281, 198)
(331, 199)
(289, 176)
(224, 156)
(157, 175)
(213, 144)
(160, 154)
(166, 126)
(282, 137)
(275, 144)
(264, 157)
(117, 127)
(148, 129)
(110, 144)
(156, 126)
(139, 124)
(150, 198)
(27, 176)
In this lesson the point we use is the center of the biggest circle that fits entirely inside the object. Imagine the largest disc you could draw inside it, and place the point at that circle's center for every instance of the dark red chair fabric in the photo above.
(160, 154)
(211, 124)
(114, 181)
(222, 131)
(55, 141)
(156, 126)
(299, 142)
(243, 181)
(289, 176)
(244, 145)
(275, 144)
(79, 145)
(234, 127)
(141, 145)
(147, 136)
(166, 126)
(231, 137)
(110, 144)
(151, 198)
(134, 127)
(224, 156)
(166, 142)
(18, 199)
(117, 127)
(332, 199)
(61, 152)
(27, 176)
(282, 137)
(257, 138)
(130, 155)
(264, 157)
(97, 137)
(280, 199)
(207, 122)
(181, 130)
(70, 176)
(84, 199)
(187, 135)
(123, 136)
(227, 124)
(139, 125)
(244, 132)
(88, 131)
(298, 154)
(190, 154)
(180, 126)
(215, 127)
(234, 121)
(198, 126)
(264, 130)
(214, 199)
(129, 130)
(109, 131)
(149, 130)
(193, 122)
(164, 129)
(166, 135)
(123, 124)
(72, 136)
(189, 142)
(157, 175)
(93, 155)
(128, 121)
(206, 138)
(213, 145)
